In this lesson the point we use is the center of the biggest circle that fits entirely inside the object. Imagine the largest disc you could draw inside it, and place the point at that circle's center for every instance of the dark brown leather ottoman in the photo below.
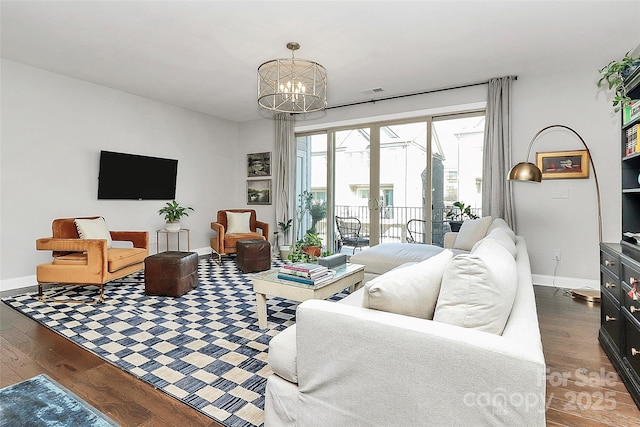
(170, 273)
(253, 255)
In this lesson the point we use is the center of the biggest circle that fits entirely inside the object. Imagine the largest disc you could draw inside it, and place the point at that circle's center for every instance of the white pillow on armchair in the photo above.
(238, 222)
(94, 229)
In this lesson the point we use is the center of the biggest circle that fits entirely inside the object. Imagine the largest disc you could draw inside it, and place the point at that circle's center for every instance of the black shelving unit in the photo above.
(631, 177)
(620, 270)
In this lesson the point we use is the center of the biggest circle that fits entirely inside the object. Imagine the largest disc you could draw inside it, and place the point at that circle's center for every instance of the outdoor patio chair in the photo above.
(417, 231)
(349, 229)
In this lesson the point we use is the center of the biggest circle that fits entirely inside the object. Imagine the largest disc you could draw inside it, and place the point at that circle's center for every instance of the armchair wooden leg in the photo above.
(219, 260)
(41, 297)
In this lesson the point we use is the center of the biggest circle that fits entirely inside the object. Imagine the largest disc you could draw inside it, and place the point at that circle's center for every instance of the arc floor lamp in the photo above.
(527, 171)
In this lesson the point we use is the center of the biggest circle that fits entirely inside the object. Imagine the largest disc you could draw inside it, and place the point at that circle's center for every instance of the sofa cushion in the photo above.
(471, 232)
(501, 224)
(93, 229)
(118, 258)
(411, 290)
(238, 222)
(381, 258)
(478, 289)
(501, 236)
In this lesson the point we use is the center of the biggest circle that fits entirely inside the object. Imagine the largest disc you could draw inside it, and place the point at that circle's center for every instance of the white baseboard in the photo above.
(202, 251)
(199, 251)
(27, 281)
(18, 282)
(564, 282)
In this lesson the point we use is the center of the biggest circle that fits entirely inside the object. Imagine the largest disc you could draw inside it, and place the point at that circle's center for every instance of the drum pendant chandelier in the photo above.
(292, 85)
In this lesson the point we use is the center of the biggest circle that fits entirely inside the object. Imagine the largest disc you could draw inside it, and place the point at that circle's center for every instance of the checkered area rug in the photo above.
(204, 348)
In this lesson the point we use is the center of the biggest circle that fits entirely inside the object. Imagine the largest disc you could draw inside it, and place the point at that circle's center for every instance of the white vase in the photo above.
(172, 226)
(285, 250)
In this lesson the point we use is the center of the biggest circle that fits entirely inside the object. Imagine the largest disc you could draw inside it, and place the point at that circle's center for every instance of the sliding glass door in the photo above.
(354, 195)
(399, 180)
(459, 140)
(404, 180)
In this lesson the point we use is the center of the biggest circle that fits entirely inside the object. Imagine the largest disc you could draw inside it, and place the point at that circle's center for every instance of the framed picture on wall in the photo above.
(258, 164)
(259, 192)
(563, 164)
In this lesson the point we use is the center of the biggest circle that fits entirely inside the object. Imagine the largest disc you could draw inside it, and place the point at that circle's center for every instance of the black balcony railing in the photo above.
(393, 223)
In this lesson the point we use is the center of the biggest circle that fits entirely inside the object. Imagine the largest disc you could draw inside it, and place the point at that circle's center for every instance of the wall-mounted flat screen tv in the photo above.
(135, 177)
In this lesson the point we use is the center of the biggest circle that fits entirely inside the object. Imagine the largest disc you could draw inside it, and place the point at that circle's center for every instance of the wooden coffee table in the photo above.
(267, 283)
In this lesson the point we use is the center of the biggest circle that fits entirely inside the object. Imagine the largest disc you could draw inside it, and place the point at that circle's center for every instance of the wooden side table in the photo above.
(167, 233)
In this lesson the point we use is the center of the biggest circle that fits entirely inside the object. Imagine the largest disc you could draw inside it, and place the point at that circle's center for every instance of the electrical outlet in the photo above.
(556, 255)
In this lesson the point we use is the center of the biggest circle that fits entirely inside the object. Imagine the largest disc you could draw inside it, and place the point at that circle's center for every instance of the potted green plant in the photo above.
(285, 248)
(312, 244)
(318, 211)
(458, 213)
(172, 213)
(307, 249)
(614, 74)
(305, 201)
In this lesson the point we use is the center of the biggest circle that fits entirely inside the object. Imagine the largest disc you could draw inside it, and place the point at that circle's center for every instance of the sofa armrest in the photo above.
(264, 226)
(96, 250)
(217, 227)
(412, 367)
(217, 242)
(140, 239)
(450, 239)
(70, 245)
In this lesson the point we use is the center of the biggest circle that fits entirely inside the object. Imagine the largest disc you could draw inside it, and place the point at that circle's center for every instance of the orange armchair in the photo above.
(82, 262)
(242, 225)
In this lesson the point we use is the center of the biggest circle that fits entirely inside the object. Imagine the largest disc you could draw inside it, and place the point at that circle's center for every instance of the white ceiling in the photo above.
(203, 55)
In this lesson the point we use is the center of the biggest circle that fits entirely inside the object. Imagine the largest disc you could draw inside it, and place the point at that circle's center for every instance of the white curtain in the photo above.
(497, 196)
(284, 169)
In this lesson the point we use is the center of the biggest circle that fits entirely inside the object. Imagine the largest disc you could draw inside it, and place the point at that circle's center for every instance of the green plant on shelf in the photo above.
(614, 74)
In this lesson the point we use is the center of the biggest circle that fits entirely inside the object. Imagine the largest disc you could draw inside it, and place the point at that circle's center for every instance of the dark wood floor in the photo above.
(582, 387)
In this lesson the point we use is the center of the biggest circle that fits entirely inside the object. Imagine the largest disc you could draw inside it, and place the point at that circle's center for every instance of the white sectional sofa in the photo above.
(390, 355)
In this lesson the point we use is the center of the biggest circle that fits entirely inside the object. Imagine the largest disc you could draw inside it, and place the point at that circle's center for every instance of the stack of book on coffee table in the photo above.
(306, 273)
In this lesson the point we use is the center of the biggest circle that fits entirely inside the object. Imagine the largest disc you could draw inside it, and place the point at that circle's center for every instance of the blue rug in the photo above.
(204, 348)
(40, 401)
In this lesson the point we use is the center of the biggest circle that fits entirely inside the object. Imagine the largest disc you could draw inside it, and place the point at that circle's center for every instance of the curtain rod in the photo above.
(373, 101)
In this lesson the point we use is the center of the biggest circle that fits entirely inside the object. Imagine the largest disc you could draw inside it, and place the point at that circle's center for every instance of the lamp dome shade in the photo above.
(525, 171)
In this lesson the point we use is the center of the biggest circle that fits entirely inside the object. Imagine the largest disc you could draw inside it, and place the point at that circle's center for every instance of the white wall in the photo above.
(413, 106)
(53, 128)
(257, 136)
(567, 224)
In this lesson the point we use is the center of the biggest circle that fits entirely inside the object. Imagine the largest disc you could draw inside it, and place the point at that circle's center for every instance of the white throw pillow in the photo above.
(411, 290)
(471, 231)
(238, 222)
(501, 224)
(501, 236)
(478, 289)
(93, 229)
